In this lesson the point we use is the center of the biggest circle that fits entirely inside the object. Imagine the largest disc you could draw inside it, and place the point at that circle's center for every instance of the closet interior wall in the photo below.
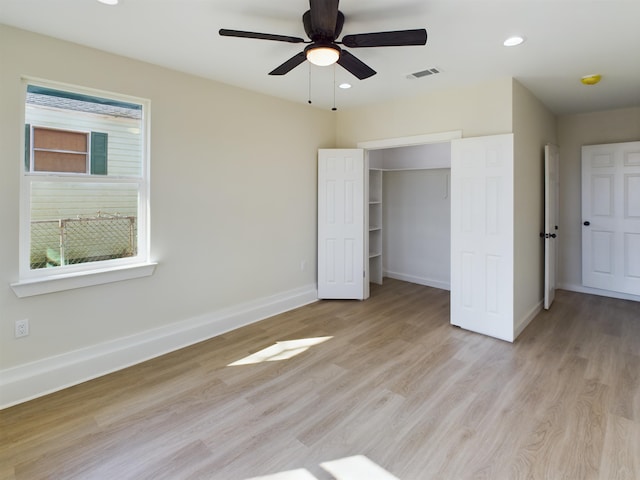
(413, 231)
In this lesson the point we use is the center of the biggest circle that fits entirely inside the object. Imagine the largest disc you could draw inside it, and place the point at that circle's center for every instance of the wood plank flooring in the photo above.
(396, 383)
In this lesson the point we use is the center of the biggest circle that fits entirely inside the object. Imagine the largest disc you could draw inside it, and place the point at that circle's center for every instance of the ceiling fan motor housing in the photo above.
(317, 34)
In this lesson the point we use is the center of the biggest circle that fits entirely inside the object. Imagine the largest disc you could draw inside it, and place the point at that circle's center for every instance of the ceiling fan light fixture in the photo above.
(322, 55)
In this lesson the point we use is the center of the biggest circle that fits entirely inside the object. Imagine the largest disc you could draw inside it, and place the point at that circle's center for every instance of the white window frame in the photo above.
(48, 280)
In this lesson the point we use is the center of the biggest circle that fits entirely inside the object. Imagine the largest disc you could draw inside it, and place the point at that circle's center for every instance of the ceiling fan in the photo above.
(323, 24)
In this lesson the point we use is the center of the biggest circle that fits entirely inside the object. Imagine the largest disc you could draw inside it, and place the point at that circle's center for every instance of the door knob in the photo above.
(587, 223)
(553, 235)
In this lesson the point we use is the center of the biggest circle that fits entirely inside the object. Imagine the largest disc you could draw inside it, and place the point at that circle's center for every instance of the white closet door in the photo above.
(341, 224)
(611, 217)
(482, 235)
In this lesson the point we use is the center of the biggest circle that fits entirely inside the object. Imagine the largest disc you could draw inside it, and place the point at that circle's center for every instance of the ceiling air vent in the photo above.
(424, 73)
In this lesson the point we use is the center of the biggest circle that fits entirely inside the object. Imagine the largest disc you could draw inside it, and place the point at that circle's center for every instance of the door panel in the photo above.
(611, 217)
(632, 196)
(602, 245)
(341, 224)
(632, 254)
(482, 235)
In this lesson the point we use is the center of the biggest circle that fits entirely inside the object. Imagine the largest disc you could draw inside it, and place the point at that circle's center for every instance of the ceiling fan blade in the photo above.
(260, 36)
(324, 16)
(289, 65)
(356, 67)
(398, 38)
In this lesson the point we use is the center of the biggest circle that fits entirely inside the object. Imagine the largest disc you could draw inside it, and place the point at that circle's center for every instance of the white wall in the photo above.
(574, 131)
(416, 218)
(533, 126)
(429, 155)
(233, 216)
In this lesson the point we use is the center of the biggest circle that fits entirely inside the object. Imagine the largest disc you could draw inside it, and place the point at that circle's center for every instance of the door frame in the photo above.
(397, 142)
(551, 220)
(411, 141)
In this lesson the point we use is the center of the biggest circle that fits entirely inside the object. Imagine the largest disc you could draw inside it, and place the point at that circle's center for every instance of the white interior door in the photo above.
(482, 235)
(551, 186)
(611, 217)
(341, 224)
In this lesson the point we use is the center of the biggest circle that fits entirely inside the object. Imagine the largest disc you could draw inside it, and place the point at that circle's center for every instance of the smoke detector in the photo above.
(591, 79)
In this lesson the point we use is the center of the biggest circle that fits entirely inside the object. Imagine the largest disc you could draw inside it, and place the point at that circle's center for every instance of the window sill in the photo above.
(69, 281)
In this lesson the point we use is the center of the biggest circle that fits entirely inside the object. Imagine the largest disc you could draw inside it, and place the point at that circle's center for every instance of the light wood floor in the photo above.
(396, 383)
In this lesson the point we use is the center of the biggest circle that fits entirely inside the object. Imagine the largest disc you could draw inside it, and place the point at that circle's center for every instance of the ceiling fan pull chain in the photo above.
(334, 88)
(309, 100)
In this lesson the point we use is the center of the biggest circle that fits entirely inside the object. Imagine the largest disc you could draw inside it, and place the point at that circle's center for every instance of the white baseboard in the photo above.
(32, 380)
(572, 287)
(427, 282)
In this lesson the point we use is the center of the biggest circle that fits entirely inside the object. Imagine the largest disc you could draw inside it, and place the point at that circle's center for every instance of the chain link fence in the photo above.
(84, 239)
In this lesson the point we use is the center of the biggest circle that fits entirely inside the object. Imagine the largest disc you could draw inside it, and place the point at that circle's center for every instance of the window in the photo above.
(65, 151)
(84, 192)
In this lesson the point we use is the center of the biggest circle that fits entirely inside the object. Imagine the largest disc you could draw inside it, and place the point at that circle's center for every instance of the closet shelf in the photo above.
(375, 226)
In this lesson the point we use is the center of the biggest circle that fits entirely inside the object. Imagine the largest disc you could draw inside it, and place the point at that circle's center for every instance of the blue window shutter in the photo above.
(98, 153)
(27, 147)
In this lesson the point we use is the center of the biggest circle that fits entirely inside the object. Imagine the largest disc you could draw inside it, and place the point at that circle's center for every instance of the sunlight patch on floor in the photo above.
(299, 474)
(357, 467)
(280, 351)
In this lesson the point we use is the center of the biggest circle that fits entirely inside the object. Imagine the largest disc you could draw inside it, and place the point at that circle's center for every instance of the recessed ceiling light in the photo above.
(109, 2)
(344, 86)
(513, 41)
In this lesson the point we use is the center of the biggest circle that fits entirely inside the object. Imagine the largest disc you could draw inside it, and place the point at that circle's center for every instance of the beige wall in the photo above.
(228, 224)
(484, 109)
(574, 131)
(533, 126)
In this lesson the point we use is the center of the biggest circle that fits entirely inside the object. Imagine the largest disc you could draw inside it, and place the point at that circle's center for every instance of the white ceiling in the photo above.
(565, 40)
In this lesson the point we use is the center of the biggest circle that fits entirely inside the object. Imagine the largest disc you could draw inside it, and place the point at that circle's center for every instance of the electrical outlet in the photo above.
(22, 328)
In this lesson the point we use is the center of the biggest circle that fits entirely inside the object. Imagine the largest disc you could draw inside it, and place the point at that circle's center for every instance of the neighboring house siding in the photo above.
(86, 200)
(124, 137)
(124, 147)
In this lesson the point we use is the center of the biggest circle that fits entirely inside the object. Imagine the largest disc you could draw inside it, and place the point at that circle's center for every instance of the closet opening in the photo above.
(414, 174)
(409, 214)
